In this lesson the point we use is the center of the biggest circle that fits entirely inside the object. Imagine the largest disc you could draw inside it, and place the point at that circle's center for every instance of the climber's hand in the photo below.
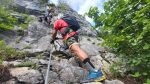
(52, 41)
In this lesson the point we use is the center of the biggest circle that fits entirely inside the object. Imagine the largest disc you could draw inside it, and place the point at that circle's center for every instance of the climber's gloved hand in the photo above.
(52, 41)
(57, 38)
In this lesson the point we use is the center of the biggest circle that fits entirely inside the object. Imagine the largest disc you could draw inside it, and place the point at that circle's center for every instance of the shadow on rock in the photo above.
(4, 74)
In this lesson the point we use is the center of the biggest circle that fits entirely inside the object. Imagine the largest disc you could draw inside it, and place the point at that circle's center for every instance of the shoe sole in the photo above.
(97, 80)
(101, 79)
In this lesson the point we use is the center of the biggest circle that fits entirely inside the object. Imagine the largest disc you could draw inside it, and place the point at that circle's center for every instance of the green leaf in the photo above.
(144, 73)
(134, 21)
(146, 46)
(147, 81)
(136, 74)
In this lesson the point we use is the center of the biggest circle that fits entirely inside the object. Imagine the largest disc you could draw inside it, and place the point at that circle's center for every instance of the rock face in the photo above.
(26, 75)
(113, 82)
(32, 7)
(36, 40)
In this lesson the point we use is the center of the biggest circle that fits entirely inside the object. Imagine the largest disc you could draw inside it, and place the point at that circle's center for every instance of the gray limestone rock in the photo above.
(27, 75)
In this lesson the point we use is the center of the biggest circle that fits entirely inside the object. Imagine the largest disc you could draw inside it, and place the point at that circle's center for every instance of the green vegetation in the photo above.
(147, 81)
(25, 22)
(8, 53)
(88, 39)
(1, 61)
(43, 1)
(5, 3)
(7, 21)
(63, 5)
(28, 64)
(94, 14)
(51, 5)
(125, 27)
(40, 56)
(28, 47)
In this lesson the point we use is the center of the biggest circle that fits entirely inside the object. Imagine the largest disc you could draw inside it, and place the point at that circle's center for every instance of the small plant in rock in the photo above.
(9, 53)
(63, 5)
(51, 5)
(40, 56)
(17, 41)
(28, 47)
(43, 1)
(24, 26)
(20, 32)
(88, 39)
(28, 64)
(7, 20)
(26, 20)
(1, 61)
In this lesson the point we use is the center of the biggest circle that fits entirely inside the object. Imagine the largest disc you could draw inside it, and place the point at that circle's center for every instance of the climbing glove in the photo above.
(52, 41)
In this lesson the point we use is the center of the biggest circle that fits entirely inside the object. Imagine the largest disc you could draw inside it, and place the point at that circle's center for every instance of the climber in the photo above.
(64, 24)
(49, 14)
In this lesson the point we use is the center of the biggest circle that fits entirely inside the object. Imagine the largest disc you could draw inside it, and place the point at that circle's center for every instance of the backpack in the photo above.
(72, 22)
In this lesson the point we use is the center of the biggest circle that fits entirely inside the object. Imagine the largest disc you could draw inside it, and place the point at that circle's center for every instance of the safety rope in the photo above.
(49, 66)
(49, 63)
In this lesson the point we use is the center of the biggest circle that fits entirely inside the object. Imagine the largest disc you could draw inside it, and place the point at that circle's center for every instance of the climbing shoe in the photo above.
(94, 76)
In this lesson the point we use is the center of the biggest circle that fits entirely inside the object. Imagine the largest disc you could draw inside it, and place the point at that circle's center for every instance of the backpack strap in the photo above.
(69, 35)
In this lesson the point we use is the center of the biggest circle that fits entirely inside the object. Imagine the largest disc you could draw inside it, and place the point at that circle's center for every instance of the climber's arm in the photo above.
(54, 34)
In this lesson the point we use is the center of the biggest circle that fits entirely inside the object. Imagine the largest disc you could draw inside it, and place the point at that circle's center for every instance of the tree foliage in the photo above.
(125, 27)
(94, 14)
